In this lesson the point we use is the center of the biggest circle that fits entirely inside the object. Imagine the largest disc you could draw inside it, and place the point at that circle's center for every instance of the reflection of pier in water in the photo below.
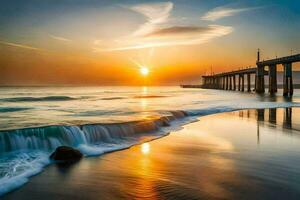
(270, 115)
(274, 117)
(287, 121)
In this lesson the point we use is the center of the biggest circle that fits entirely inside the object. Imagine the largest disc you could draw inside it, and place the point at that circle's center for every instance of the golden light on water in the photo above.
(144, 70)
(145, 90)
(145, 148)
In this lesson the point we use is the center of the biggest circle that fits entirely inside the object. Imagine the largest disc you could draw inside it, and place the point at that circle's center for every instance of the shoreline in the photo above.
(155, 136)
(187, 113)
(134, 146)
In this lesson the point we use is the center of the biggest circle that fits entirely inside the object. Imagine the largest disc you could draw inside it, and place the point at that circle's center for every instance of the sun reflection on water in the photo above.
(145, 90)
(145, 148)
(144, 104)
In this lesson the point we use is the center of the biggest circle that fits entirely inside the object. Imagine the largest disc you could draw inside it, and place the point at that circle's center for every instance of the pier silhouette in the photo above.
(227, 80)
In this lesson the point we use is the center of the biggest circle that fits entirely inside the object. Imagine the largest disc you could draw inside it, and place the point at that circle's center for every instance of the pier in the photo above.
(227, 80)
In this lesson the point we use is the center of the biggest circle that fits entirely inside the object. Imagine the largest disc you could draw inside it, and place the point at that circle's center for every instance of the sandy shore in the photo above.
(240, 155)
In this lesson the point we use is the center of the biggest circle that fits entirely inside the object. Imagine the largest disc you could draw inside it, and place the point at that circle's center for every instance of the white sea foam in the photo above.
(17, 167)
(25, 152)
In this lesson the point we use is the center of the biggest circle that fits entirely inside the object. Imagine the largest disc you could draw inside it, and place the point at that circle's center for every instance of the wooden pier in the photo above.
(227, 80)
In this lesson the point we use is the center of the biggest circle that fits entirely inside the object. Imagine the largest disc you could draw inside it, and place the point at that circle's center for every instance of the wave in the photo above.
(135, 97)
(148, 96)
(96, 113)
(49, 137)
(12, 109)
(34, 99)
(113, 98)
(25, 152)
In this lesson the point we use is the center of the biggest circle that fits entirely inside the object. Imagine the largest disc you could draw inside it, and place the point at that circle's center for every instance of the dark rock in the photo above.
(67, 154)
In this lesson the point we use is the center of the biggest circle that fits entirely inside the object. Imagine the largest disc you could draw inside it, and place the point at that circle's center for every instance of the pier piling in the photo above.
(239, 86)
(249, 82)
(227, 80)
(272, 79)
(234, 83)
(287, 80)
(243, 83)
(260, 80)
(227, 83)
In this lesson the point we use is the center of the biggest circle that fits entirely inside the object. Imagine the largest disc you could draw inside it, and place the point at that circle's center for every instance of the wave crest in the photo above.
(12, 109)
(34, 99)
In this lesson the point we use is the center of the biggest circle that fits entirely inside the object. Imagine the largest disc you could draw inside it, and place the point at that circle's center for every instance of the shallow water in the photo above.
(96, 120)
(249, 154)
(42, 106)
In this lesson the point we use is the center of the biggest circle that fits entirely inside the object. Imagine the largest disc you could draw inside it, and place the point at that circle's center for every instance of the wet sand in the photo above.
(250, 154)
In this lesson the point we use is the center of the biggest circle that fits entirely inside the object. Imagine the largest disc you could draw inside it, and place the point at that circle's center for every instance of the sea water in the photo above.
(36, 120)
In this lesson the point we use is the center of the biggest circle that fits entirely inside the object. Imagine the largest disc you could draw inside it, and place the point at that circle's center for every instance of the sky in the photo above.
(106, 42)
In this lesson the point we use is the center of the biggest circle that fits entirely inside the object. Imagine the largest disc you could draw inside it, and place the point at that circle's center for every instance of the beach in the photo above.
(247, 154)
(157, 100)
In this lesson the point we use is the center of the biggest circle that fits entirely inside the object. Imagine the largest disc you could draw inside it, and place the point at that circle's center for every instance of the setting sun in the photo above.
(144, 71)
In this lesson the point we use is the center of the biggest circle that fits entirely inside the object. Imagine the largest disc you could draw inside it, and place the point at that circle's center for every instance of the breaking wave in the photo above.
(112, 98)
(25, 152)
(12, 109)
(135, 97)
(34, 99)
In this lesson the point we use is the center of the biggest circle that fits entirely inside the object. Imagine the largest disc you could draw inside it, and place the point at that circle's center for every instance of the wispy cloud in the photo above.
(179, 30)
(155, 13)
(176, 36)
(19, 45)
(158, 31)
(221, 12)
(60, 38)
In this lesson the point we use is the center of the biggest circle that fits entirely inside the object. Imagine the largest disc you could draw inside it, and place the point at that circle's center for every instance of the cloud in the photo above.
(155, 13)
(176, 36)
(178, 30)
(158, 31)
(221, 12)
(60, 38)
(20, 45)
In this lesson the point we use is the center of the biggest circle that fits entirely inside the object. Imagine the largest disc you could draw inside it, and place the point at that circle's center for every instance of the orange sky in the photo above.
(107, 43)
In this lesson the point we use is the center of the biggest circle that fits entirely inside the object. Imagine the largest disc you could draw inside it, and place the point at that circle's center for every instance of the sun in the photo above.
(144, 71)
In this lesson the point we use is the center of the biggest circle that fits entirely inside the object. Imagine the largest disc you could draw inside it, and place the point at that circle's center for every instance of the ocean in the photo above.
(97, 120)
